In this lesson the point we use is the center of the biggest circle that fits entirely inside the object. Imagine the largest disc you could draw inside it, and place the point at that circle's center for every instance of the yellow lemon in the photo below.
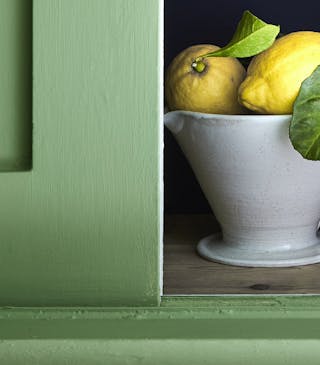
(212, 89)
(274, 76)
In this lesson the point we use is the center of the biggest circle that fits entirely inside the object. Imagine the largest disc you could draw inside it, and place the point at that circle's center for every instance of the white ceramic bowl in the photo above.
(265, 196)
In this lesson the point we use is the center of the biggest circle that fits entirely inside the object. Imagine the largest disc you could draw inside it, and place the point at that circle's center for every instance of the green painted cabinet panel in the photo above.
(16, 85)
(82, 228)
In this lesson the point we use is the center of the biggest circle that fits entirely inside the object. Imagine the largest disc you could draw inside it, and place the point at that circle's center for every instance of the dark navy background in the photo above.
(189, 22)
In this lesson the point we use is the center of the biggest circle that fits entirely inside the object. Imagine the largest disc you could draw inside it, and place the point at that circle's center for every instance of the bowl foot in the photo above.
(215, 249)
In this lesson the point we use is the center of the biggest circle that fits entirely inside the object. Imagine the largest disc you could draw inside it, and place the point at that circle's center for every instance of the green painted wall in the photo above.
(16, 85)
(82, 227)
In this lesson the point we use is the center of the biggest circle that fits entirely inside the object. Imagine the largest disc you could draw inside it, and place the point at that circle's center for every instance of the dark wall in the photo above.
(189, 22)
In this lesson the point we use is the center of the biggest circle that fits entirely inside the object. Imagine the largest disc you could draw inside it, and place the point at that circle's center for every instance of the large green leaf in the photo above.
(252, 36)
(305, 124)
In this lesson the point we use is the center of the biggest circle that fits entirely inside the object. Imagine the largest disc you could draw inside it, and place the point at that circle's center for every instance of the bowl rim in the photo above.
(238, 117)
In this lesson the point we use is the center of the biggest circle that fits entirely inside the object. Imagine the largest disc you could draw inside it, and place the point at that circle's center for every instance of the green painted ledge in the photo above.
(183, 330)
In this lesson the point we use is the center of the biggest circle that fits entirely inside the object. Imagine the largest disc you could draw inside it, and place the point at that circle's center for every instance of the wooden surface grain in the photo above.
(185, 272)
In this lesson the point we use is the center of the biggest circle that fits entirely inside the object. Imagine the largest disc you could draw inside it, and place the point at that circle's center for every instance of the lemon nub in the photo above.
(198, 66)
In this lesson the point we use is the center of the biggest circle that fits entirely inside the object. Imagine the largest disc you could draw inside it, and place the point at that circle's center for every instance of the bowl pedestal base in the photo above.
(214, 248)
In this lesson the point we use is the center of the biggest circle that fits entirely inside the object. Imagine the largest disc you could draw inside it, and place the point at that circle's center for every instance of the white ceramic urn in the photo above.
(264, 194)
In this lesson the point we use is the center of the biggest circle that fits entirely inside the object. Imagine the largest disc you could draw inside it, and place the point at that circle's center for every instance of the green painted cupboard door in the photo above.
(82, 226)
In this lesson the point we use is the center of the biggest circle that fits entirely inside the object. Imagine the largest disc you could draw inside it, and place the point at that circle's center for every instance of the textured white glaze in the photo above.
(265, 196)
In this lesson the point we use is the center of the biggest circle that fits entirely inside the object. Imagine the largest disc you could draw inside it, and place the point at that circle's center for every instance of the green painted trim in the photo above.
(163, 322)
(159, 352)
(191, 308)
(171, 334)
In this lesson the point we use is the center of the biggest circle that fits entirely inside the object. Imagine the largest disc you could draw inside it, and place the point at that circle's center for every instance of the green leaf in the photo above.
(252, 36)
(305, 125)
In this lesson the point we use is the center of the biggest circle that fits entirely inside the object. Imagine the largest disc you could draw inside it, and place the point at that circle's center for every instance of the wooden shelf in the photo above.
(187, 273)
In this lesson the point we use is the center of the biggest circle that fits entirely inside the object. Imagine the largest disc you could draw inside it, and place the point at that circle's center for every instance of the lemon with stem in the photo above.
(200, 84)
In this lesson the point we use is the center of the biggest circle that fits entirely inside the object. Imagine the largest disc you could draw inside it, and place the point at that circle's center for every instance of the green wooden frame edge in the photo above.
(180, 307)
(188, 309)
(186, 330)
